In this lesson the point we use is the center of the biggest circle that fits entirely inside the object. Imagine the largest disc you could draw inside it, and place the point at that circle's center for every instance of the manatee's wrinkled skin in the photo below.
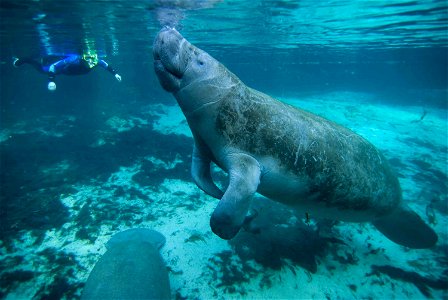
(131, 268)
(284, 153)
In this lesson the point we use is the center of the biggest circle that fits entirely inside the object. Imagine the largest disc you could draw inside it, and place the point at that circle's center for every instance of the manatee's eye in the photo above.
(200, 59)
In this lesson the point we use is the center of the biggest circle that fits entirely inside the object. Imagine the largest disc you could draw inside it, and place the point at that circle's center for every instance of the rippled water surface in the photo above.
(128, 26)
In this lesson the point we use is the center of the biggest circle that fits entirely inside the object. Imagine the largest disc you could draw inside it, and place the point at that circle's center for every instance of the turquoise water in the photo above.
(99, 156)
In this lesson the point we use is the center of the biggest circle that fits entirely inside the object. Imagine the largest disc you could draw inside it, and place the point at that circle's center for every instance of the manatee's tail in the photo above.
(137, 235)
(406, 228)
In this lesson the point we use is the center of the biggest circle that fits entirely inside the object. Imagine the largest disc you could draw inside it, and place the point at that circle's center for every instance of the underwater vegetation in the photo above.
(37, 182)
(422, 283)
(61, 283)
(229, 273)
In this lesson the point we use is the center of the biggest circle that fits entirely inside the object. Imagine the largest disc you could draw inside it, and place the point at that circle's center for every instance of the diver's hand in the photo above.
(51, 86)
(118, 77)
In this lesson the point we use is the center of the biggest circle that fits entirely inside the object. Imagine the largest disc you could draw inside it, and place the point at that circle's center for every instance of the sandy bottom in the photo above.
(201, 265)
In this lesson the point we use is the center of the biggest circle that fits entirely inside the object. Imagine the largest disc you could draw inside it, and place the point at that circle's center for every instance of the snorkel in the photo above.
(91, 58)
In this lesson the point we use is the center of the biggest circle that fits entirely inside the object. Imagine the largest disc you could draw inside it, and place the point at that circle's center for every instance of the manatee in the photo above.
(284, 153)
(131, 268)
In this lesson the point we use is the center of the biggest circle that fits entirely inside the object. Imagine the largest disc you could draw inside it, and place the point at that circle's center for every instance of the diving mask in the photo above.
(91, 59)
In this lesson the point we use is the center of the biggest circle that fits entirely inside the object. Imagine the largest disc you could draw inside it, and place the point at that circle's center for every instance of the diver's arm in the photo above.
(52, 70)
(55, 68)
(106, 66)
(51, 77)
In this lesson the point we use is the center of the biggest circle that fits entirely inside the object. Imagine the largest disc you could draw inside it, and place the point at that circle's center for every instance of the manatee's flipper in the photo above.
(406, 228)
(200, 170)
(229, 215)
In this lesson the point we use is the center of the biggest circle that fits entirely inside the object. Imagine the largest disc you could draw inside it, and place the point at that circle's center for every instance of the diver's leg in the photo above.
(48, 60)
(17, 62)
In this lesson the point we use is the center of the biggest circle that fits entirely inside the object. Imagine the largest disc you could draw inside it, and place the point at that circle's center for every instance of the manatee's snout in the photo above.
(167, 41)
(167, 51)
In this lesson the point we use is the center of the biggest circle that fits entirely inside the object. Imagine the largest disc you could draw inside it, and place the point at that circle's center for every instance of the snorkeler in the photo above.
(68, 65)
